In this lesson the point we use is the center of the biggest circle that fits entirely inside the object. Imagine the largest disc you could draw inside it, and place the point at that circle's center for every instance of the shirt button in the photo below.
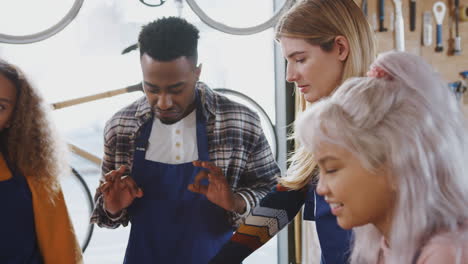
(177, 144)
(177, 131)
(177, 157)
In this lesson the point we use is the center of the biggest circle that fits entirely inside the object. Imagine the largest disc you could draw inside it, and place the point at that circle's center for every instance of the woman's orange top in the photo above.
(54, 230)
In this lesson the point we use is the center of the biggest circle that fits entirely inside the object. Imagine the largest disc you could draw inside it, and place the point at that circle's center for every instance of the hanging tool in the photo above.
(391, 23)
(457, 47)
(464, 81)
(412, 15)
(439, 9)
(364, 7)
(464, 75)
(458, 89)
(427, 29)
(463, 13)
(374, 22)
(382, 16)
(399, 26)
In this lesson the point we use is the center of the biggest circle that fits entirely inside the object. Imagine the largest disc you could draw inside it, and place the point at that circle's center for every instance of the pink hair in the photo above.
(412, 123)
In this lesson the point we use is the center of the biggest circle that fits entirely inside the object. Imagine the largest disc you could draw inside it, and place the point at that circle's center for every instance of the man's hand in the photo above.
(218, 190)
(119, 191)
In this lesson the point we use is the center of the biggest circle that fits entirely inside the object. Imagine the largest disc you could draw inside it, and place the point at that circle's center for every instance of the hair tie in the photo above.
(379, 73)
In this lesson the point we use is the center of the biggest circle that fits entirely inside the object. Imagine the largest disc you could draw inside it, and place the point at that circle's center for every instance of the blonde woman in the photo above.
(325, 42)
(393, 157)
(35, 226)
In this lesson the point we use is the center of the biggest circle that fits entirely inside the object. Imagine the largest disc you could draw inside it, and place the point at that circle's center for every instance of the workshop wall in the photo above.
(448, 64)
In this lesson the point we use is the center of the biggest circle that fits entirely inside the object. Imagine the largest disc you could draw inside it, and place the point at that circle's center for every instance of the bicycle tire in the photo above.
(261, 111)
(235, 30)
(45, 34)
(89, 232)
(150, 5)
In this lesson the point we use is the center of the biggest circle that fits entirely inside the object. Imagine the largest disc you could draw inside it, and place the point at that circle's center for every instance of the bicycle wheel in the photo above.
(79, 214)
(267, 125)
(234, 30)
(45, 34)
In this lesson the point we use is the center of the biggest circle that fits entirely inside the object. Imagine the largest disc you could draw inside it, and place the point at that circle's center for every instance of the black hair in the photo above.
(169, 38)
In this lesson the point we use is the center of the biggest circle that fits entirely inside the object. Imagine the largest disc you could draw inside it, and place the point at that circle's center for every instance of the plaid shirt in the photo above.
(236, 144)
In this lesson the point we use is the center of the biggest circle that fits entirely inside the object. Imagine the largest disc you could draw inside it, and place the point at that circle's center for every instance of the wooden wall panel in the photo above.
(445, 62)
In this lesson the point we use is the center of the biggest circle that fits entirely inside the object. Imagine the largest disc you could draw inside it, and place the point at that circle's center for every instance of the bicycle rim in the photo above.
(235, 30)
(89, 232)
(45, 34)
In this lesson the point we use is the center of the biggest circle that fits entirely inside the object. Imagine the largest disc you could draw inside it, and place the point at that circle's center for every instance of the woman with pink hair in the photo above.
(392, 149)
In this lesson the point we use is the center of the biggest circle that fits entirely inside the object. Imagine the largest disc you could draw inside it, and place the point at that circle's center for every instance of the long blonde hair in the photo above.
(319, 22)
(31, 142)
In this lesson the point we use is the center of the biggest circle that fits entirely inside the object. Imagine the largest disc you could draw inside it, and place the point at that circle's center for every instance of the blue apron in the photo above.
(334, 241)
(171, 224)
(18, 243)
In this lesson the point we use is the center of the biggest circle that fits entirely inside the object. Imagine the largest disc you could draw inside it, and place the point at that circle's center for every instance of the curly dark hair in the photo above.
(169, 38)
(31, 142)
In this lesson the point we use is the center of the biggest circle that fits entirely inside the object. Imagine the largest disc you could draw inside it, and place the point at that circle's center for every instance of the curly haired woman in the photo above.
(35, 226)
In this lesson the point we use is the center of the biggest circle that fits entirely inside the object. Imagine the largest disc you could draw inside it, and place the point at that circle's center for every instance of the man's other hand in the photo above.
(119, 191)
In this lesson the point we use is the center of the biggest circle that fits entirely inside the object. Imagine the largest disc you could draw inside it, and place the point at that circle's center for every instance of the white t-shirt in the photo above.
(175, 143)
